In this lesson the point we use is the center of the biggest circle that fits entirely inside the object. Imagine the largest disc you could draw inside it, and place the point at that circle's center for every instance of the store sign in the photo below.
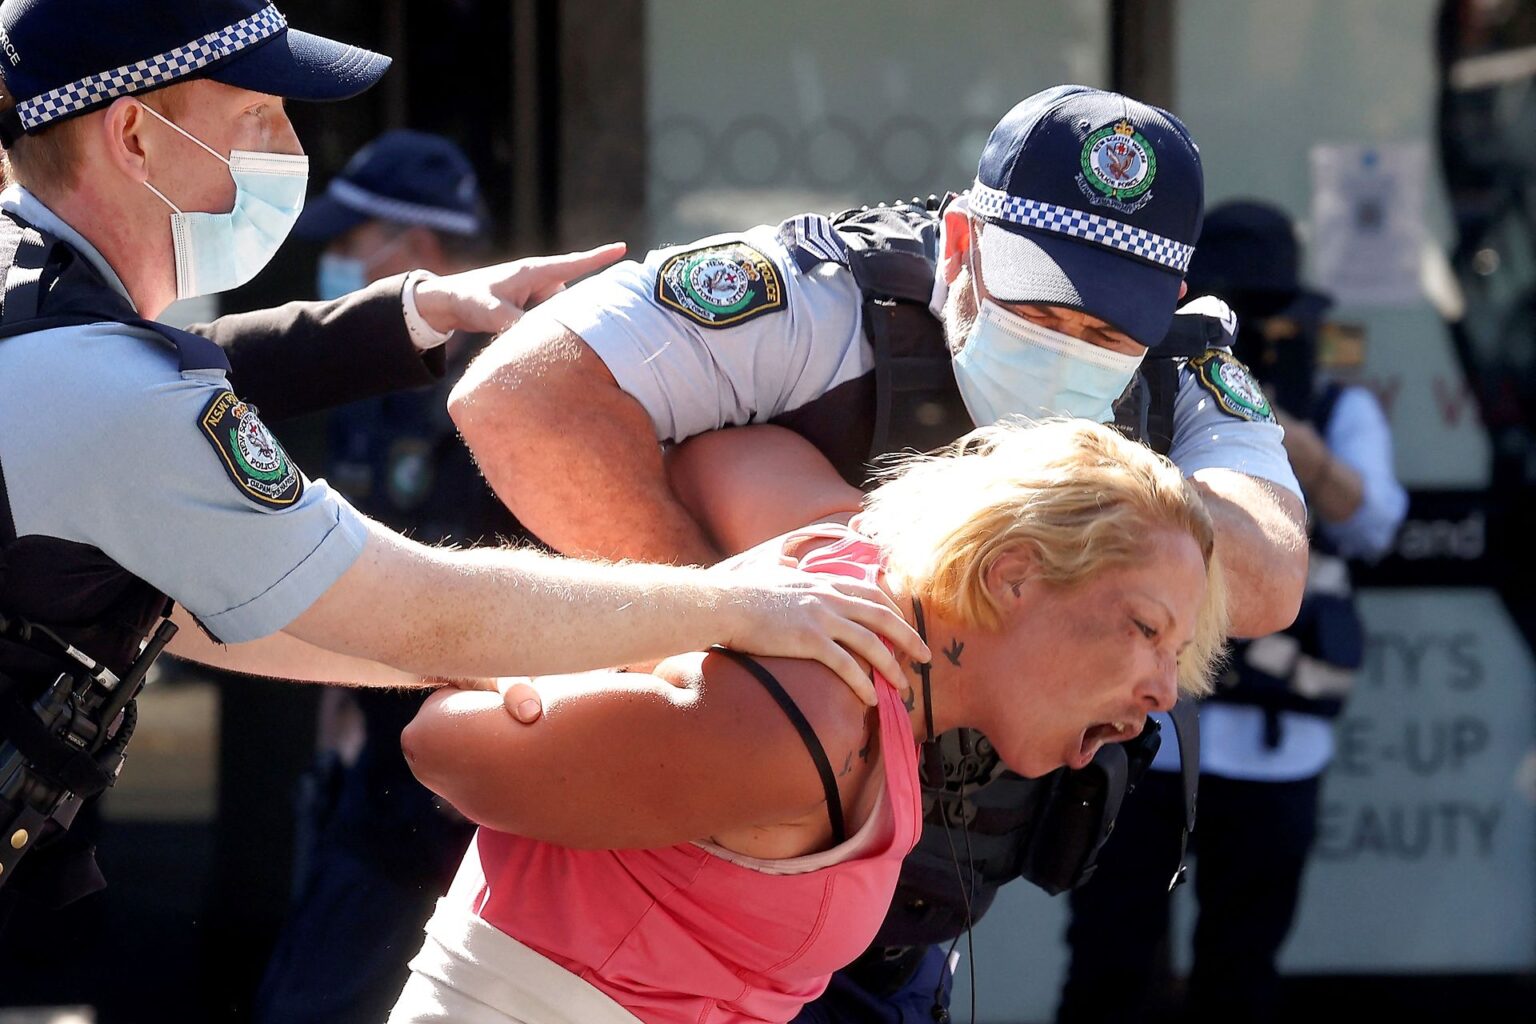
(1368, 222)
(1427, 835)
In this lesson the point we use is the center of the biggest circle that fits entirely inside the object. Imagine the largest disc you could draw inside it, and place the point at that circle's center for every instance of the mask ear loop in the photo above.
(188, 135)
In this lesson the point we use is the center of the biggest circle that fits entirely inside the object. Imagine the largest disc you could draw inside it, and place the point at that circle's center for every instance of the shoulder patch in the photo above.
(1233, 386)
(252, 457)
(720, 285)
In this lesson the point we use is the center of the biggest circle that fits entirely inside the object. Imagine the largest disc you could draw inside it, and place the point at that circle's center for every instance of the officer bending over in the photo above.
(134, 476)
(1055, 281)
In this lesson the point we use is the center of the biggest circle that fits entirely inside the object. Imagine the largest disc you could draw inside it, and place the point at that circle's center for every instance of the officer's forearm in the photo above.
(1261, 535)
(498, 612)
(281, 656)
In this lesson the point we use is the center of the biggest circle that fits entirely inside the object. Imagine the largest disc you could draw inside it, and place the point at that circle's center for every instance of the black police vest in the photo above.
(77, 630)
(1015, 827)
(1308, 667)
(75, 589)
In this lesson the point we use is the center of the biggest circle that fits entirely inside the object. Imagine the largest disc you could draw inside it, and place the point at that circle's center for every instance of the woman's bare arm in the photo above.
(748, 484)
(632, 761)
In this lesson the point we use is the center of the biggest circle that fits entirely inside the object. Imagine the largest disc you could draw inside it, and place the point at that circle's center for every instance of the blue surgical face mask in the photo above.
(340, 275)
(219, 251)
(1012, 366)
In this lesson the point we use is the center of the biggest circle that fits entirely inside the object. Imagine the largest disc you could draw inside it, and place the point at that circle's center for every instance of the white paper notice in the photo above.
(1368, 221)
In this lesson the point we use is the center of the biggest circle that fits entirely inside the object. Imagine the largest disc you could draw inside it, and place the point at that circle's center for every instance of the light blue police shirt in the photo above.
(100, 445)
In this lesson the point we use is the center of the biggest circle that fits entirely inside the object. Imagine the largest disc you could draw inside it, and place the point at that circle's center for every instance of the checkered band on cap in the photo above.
(986, 201)
(402, 212)
(150, 72)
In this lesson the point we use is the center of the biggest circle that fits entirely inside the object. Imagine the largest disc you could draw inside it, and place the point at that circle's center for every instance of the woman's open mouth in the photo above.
(1096, 736)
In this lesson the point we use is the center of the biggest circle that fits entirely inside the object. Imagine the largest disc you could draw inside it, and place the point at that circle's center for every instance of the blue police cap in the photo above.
(62, 58)
(1092, 200)
(403, 176)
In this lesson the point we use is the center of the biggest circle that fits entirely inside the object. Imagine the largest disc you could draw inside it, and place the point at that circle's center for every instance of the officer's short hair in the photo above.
(49, 159)
(1082, 496)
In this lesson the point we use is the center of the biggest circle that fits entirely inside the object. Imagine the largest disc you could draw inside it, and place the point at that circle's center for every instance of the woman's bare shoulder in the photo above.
(842, 723)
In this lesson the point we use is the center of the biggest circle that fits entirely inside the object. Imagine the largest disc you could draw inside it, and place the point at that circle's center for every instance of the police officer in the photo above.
(375, 847)
(153, 160)
(1268, 730)
(1055, 280)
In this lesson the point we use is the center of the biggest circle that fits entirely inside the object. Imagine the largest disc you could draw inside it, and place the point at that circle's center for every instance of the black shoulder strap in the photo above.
(1185, 715)
(807, 736)
(47, 284)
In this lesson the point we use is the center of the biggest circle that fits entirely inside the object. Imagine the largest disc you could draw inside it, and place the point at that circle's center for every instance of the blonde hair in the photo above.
(1081, 496)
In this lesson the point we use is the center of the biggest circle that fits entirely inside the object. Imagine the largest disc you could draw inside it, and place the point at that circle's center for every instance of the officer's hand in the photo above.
(492, 299)
(835, 620)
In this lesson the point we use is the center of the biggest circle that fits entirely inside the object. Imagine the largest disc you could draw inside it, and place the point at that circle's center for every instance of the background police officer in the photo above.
(376, 848)
(153, 160)
(1052, 280)
(1268, 731)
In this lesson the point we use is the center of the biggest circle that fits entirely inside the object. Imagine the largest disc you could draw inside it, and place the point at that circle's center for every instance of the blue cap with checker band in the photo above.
(62, 58)
(1093, 201)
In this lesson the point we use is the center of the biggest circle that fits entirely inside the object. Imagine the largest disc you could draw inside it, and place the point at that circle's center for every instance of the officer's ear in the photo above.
(954, 241)
(1183, 290)
(127, 147)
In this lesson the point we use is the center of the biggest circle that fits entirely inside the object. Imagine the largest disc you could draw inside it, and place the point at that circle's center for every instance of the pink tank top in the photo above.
(684, 935)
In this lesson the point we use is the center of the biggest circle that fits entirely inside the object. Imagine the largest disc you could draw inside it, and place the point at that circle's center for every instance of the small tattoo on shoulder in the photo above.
(848, 763)
(952, 652)
(909, 700)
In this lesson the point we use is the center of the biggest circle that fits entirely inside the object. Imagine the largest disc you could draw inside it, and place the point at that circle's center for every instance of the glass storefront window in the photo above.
(819, 107)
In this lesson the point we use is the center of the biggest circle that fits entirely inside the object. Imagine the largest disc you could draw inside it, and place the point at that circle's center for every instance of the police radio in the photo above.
(64, 745)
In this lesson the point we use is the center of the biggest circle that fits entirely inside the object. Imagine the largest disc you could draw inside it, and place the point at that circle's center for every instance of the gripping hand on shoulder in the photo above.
(836, 620)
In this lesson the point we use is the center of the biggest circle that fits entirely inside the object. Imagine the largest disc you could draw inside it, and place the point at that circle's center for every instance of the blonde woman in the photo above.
(687, 846)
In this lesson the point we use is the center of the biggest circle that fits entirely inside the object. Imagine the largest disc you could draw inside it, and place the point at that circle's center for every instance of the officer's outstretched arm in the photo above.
(1261, 534)
(572, 455)
(488, 612)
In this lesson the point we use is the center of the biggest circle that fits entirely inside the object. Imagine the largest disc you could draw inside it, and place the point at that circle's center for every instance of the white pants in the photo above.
(469, 972)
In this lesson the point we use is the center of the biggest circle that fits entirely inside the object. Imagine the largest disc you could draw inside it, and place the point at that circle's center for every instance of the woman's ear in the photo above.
(1012, 576)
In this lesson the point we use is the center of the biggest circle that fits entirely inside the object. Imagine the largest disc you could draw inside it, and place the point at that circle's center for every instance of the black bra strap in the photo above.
(807, 735)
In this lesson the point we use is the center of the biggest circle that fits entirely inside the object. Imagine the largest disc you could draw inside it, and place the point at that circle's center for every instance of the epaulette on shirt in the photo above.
(810, 239)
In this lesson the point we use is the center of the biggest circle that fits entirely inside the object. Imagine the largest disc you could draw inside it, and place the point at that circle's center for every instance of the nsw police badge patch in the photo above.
(720, 285)
(252, 457)
(1229, 381)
